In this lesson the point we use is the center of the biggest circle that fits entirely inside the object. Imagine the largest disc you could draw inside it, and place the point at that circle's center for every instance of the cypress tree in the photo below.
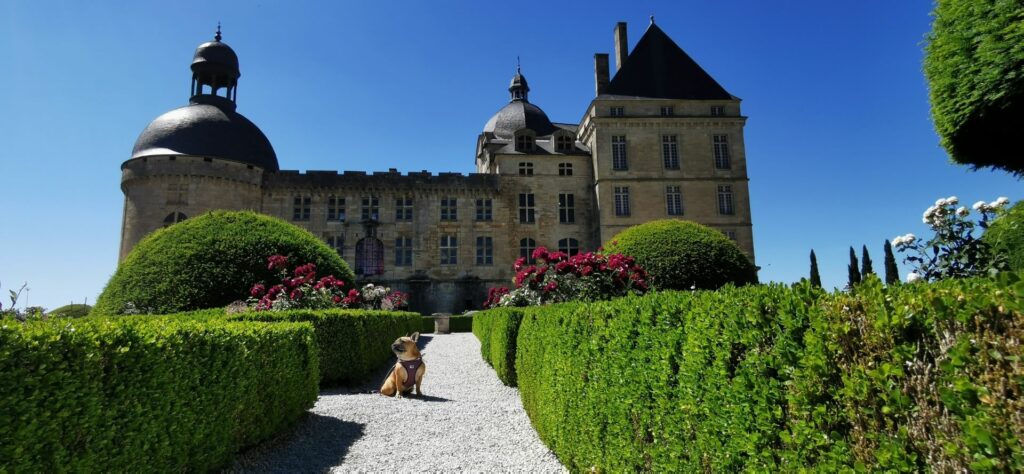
(853, 270)
(815, 277)
(892, 274)
(865, 263)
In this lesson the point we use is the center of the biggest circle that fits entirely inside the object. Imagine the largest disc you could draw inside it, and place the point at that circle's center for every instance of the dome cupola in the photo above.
(519, 113)
(215, 67)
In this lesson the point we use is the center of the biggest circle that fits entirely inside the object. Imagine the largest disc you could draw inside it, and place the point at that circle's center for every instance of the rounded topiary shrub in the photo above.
(680, 255)
(74, 310)
(1006, 236)
(209, 261)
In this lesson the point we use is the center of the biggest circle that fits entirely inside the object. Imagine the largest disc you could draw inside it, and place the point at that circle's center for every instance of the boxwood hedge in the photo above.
(352, 343)
(1006, 236)
(924, 377)
(497, 330)
(143, 394)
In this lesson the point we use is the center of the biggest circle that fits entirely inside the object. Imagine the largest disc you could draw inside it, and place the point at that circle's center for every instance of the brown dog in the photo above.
(409, 369)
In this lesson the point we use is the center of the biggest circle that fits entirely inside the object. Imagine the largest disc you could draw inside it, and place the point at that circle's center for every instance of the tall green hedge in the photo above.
(497, 330)
(975, 70)
(910, 378)
(145, 394)
(210, 261)
(1006, 236)
(352, 343)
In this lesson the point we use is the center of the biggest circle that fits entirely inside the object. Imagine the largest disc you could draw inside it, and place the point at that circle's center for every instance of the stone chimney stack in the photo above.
(621, 45)
(600, 72)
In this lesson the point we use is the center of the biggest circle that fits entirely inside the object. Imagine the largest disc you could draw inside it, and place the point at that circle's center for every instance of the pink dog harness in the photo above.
(411, 367)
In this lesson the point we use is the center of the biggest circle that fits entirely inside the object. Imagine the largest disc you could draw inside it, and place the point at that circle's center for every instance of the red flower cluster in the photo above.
(494, 296)
(301, 289)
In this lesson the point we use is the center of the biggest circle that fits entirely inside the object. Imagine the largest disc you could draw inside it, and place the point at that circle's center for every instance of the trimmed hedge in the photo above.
(210, 261)
(460, 324)
(1006, 236)
(352, 343)
(680, 255)
(142, 394)
(911, 378)
(497, 330)
(74, 310)
(974, 64)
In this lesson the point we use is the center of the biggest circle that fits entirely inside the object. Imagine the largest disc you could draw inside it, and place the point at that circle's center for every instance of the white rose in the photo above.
(940, 202)
(1002, 201)
(912, 277)
(962, 211)
(978, 206)
(952, 201)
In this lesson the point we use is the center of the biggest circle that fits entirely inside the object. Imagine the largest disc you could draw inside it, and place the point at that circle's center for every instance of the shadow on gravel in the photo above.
(315, 445)
(427, 398)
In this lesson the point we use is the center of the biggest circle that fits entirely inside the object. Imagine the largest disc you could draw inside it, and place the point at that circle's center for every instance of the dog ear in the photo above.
(415, 336)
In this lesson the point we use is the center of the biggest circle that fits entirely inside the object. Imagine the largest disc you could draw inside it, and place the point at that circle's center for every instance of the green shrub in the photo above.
(353, 343)
(975, 55)
(497, 330)
(679, 255)
(143, 394)
(70, 311)
(460, 324)
(911, 378)
(1006, 236)
(209, 261)
(427, 325)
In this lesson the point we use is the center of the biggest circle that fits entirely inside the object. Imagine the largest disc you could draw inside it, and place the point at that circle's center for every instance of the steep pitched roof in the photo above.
(657, 67)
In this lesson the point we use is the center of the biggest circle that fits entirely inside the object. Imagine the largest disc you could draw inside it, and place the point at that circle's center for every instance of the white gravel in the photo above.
(467, 421)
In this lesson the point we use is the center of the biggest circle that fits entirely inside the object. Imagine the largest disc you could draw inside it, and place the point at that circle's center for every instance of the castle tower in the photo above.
(196, 158)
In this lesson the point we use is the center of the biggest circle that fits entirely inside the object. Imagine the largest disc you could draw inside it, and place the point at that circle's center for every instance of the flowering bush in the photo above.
(954, 251)
(558, 277)
(300, 289)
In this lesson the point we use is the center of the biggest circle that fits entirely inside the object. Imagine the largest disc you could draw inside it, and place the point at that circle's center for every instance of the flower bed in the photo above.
(140, 394)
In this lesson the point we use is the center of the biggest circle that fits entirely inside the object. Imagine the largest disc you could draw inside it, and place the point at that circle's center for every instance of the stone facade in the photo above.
(446, 238)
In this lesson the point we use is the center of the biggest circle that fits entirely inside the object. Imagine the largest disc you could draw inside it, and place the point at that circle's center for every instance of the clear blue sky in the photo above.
(840, 145)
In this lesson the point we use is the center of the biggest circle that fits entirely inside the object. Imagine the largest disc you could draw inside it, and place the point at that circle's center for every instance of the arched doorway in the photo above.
(369, 257)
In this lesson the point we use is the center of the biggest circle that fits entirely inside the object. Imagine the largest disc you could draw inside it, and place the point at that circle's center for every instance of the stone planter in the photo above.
(441, 323)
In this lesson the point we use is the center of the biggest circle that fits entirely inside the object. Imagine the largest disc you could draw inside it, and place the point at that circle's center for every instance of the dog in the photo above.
(409, 369)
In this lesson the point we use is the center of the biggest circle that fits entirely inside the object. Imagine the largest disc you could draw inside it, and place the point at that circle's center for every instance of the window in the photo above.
(621, 200)
(403, 209)
(371, 208)
(564, 143)
(569, 246)
(337, 242)
(526, 248)
(403, 251)
(619, 153)
(673, 201)
(300, 210)
(336, 208)
(525, 168)
(484, 210)
(617, 112)
(369, 256)
(722, 152)
(526, 210)
(717, 110)
(484, 251)
(177, 194)
(524, 143)
(449, 250)
(667, 111)
(174, 218)
(566, 208)
(731, 234)
(565, 169)
(449, 209)
(725, 200)
(670, 151)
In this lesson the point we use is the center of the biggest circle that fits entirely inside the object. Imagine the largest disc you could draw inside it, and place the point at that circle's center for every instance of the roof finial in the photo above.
(216, 37)
(652, 19)
(517, 65)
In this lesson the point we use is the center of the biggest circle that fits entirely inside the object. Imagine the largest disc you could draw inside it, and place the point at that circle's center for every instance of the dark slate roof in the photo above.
(209, 130)
(517, 115)
(216, 55)
(658, 68)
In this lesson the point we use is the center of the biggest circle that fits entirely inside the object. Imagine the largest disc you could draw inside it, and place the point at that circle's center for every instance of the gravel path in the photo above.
(466, 421)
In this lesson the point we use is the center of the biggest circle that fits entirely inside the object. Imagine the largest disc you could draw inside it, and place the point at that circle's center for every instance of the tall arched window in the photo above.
(369, 257)
(569, 246)
(526, 248)
(174, 218)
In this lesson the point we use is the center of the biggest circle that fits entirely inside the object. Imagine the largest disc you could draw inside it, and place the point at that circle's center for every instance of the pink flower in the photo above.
(551, 286)
(296, 294)
(541, 253)
(257, 290)
(277, 262)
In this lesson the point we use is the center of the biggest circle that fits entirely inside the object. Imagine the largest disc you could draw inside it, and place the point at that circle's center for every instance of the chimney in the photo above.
(600, 72)
(621, 45)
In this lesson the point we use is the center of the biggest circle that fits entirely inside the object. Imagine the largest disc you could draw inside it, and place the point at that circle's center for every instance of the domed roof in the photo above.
(517, 115)
(217, 54)
(205, 129)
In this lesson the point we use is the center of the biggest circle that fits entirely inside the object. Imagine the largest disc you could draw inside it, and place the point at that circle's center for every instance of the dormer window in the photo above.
(668, 111)
(564, 143)
(524, 143)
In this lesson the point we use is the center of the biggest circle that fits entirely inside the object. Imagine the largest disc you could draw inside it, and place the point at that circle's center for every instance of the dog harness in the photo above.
(411, 367)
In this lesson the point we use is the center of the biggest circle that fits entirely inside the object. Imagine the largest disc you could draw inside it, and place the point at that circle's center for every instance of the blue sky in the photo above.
(840, 146)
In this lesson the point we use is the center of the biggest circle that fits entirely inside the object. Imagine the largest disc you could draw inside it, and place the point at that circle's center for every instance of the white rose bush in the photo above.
(954, 251)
